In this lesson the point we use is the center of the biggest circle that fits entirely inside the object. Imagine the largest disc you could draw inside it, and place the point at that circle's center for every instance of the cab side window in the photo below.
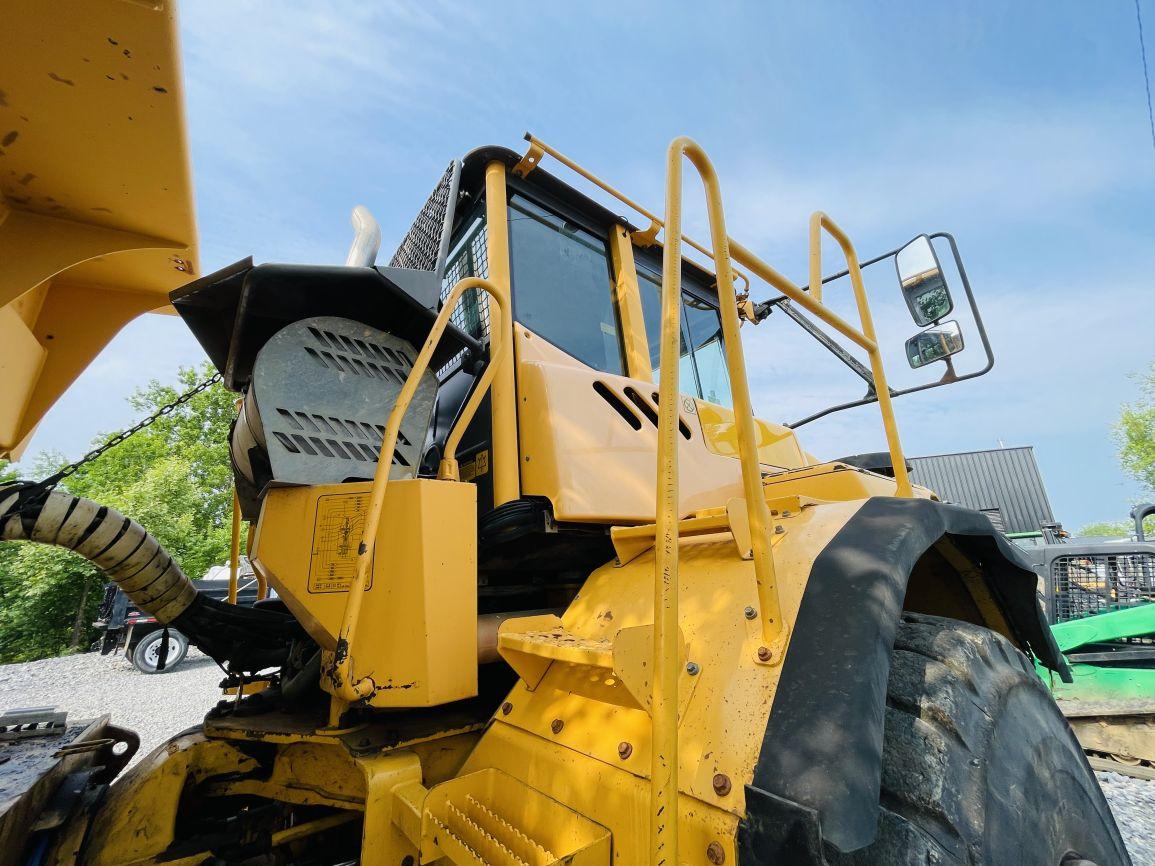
(562, 285)
(702, 370)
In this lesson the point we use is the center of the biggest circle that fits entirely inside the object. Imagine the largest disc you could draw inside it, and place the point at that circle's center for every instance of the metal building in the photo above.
(1004, 483)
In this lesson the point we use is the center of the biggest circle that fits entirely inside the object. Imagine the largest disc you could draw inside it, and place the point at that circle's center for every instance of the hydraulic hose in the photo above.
(245, 638)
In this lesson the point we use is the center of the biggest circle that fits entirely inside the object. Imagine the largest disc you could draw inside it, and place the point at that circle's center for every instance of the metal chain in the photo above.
(52, 480)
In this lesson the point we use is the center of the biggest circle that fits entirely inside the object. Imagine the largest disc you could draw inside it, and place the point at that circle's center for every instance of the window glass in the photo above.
(650, 287)
(705, 328)
(562, 287)
(702, 371)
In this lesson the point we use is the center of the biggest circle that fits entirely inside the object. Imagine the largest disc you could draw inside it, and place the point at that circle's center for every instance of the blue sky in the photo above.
(1021, 128)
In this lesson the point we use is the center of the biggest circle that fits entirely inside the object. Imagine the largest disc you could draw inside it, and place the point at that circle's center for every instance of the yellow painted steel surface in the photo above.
(591, 464)
(575, 740)
(420, 599)
(777, 445)
(96, 205)
(628, 298)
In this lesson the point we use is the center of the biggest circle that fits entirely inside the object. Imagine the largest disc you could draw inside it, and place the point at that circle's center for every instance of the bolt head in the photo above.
(692, 668)
(764, 654)
(721, 784)
(506, 708)
(556, 725)
(715, 854)
(750, 612)
(779, 529)
(625, 750)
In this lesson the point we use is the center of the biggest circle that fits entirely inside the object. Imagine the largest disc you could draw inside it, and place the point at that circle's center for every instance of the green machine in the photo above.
(1100, 599)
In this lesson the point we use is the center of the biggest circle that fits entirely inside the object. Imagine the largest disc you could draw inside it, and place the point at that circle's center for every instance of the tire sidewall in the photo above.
(140, 651)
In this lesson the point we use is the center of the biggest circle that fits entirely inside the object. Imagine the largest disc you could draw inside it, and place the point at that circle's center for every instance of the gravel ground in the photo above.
(90, 685)
(1133, 802)
(158, 706)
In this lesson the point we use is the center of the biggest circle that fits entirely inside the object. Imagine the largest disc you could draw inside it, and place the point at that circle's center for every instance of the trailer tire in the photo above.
(979, 765)
(145, 654)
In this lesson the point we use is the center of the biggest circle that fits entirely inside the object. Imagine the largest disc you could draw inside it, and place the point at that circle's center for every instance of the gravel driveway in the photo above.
(161, 705)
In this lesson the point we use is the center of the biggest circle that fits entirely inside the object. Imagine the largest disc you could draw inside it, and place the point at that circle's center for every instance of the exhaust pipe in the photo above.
(366, 239)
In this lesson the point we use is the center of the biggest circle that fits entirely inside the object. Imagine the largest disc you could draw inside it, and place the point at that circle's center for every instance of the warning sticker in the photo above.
(336, 535)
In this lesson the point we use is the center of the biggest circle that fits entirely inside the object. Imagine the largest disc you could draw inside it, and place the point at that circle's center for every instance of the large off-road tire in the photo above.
(979, 765)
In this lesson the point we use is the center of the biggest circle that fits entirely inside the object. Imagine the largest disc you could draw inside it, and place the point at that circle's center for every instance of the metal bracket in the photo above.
(530, 161)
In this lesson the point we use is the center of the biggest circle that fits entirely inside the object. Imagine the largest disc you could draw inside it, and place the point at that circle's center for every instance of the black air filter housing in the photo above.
(236, 310)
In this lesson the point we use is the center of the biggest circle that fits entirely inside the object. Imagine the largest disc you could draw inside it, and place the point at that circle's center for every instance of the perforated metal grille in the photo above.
(1085, 585)
(420, 246)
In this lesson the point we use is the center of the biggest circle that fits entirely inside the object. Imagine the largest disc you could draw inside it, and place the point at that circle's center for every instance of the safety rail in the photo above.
(724, 250)
(349, 689)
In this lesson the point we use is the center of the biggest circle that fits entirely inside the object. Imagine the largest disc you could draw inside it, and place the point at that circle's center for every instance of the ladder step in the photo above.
(488, 818)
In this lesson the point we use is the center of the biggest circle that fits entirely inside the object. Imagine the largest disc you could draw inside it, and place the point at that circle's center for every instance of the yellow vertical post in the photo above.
(235, 549)
(629, 301)
(503, 396)
(664, 704)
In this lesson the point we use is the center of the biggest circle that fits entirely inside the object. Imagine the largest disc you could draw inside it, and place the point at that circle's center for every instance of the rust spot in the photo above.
(506, 708)
(7, 140)
(124, 77)
(101, 210)
(112, 41)
(62, 80)
(27, 179)
(159, 89)
(3, 99)
(127, 53)
(110, 78)
(556, 725)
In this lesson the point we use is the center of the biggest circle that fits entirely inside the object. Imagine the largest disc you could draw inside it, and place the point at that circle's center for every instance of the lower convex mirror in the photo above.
(934, 344)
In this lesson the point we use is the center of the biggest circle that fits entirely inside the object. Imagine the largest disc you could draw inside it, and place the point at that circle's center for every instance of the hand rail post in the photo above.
(819, 221)
(664, 748)
(347, 688)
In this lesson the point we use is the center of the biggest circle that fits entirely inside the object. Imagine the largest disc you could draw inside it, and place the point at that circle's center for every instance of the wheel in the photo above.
(979, 765)
(146, 655)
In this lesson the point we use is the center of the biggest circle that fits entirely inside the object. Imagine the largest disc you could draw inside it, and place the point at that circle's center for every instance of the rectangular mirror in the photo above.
(923, 284)
(934, 344)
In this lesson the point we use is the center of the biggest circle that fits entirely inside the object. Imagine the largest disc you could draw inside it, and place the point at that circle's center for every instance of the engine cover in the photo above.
(321, 393)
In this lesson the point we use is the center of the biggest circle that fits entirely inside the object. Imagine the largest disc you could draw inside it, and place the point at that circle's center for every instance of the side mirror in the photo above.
(922, 281)
(934, 344)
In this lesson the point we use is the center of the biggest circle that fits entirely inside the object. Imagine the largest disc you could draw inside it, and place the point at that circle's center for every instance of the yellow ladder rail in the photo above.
(348, 688)
(664, 750)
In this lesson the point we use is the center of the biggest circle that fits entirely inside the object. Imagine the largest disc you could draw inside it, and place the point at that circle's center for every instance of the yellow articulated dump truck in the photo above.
(547, 591)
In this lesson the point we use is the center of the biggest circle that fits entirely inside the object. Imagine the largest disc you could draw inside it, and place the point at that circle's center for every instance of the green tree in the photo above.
(173, 478)
(1135, 435)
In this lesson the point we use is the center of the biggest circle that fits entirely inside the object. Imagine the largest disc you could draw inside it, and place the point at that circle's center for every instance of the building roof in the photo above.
(1005, 483)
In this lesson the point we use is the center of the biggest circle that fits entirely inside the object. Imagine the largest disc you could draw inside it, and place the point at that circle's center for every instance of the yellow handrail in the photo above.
(818, 222)
(810, 301)
(656, 224)
(664, 748)
(347, 688)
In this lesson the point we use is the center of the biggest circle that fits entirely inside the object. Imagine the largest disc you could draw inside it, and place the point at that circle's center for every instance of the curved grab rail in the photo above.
(818, 222)
(664, 749)
(346, 687)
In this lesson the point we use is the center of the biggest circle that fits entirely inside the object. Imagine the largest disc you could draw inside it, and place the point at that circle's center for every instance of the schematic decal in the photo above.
(337, 532)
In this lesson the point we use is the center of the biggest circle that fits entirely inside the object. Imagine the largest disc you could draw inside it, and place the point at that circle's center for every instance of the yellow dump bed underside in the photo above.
(96, 204)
